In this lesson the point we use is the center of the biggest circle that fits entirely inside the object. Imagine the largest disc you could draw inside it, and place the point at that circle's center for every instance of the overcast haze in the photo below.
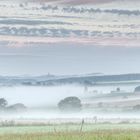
(86, 37)
(68, 59)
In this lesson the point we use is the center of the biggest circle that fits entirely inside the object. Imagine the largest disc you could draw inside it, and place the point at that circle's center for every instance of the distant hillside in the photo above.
(50, 80)
(91, 80)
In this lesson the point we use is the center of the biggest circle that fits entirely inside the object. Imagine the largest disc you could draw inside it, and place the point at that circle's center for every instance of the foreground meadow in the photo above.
(95, 135)
(72, 132)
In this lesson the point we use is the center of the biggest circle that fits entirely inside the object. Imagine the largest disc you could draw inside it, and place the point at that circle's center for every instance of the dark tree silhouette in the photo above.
(3, 103)
(137, 89)
(19, 107)
(70, 104)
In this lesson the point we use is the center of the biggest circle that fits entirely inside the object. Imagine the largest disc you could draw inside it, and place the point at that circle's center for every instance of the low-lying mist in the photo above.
(35, 96)
(42, 101)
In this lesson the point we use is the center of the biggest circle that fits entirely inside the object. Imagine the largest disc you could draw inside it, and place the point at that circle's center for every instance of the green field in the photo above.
(67, 128)
(72, 132)
(95, 135)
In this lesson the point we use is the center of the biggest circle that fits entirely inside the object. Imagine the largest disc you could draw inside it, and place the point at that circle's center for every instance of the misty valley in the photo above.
(69, 69)
(105, 100)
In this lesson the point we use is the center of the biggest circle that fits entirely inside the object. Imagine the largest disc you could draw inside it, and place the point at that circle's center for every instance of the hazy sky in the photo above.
(68, 58)
(37, 38)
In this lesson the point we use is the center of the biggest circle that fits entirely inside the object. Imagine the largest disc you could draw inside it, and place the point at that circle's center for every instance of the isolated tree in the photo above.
(137, 89)
(3, 103)
(118, 89)
(70, 104)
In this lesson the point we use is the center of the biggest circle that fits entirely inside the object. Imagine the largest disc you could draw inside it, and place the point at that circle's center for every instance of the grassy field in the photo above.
(67, 128)
(72, 132)
(94, 135)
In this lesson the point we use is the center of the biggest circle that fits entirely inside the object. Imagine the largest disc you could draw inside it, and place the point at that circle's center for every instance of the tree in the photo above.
(118, 89)
(70, 104)
(19, 107)
(136, 107)
(3, 103)
(137, 89)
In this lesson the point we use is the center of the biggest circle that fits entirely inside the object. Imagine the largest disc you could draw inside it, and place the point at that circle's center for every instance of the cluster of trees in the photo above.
(19, 107)
(70, 104)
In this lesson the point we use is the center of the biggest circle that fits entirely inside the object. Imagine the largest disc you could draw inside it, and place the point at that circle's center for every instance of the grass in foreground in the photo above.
(66, 128)
(95, 135)
(72, 132)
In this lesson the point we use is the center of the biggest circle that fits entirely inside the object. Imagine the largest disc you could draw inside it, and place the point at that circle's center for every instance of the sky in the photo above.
(69, 37)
